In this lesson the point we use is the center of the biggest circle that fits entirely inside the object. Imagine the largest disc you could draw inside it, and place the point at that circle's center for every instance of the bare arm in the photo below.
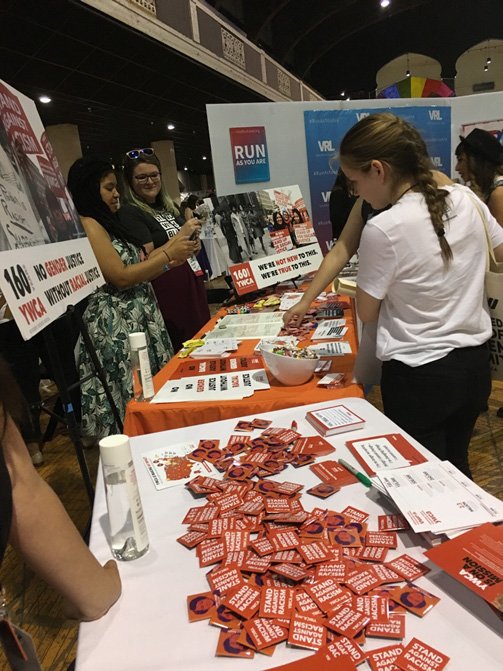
(45, 536)
(121, 276)
(367, 306)
(331, 265)
(495, 204)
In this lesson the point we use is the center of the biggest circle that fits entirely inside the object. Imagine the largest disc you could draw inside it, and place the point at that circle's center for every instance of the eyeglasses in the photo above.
(136, 153)
(143, 179)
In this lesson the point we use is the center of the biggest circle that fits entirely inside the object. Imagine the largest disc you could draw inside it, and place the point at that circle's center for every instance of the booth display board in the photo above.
(46, 261)
(267, 236)
(324, 131)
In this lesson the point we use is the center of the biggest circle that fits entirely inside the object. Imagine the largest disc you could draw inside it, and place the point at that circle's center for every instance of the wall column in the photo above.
(165, 152)
(65, 141)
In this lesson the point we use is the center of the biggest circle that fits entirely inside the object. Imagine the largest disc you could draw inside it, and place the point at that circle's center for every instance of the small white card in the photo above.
(170, 466)
(331, 348)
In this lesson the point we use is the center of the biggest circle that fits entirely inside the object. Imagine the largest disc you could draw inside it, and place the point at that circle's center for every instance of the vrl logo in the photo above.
(437, 161)
(362, 115)
(493, 302)
(435, 115)
(326, 196)
(326, 145)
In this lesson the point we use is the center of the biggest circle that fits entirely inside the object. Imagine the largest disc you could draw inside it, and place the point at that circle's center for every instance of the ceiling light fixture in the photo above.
(171, 126)
(45, 99)
(343, 93)
(185, 168)
(486, 67)
(407, 73)
(204, 158)
(385, 3)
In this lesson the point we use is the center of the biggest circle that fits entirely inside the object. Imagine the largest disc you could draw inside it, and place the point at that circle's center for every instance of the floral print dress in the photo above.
(111, 315)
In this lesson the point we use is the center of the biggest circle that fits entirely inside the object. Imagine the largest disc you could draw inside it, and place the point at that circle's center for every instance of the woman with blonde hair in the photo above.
(421, 278)
(149, 219)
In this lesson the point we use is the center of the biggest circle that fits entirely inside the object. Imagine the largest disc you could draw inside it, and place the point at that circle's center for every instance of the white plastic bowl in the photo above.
(288, 370)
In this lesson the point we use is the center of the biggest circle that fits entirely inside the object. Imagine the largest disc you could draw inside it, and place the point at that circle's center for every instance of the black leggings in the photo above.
(438, 403)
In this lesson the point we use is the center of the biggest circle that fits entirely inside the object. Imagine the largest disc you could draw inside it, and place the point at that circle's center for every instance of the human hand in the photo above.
(179, 248)
(191, 227)
(295, 314)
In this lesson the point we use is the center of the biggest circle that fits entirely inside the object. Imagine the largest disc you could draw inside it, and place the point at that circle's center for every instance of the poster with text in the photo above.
(265, 236)
(46, 261)
(324, 132)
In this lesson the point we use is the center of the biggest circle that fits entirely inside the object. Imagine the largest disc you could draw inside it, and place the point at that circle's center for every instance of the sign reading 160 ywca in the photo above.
(46, 261)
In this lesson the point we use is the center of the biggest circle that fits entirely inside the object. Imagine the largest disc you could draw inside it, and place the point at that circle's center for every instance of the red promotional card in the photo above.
(313, 446)
(200, 514)
(314, 552)
(354, 514)
(244, 601)
(235, 541)
(385, 573)
(210, 552)
(419, 656)
(383, 659)
(283, 539)
(288, 488)
(261, 423)
(262, 546)
(392, 522)
(345, 537)
(347, 621)
(224, 618)
(344, 648)
(408, 567)
(228, 645)
(328, 595)
(391, 450)
(192, 538)
(255, 564)
(244, 425)
(363, 580)
(273, 505)
(264, 632)
(384, 590)
(291, 571)
(224, 579)
(393, 628)
(316, 662)
(381, 539)
(306, 632)
(323, 491)
(415, 599)
(376, 607)
(227, 502)
(332, 569)
(276, 602)
(208, 444)
(373, 555)
(201, 606)
(305, 605)
(475, 559)
(333, 473)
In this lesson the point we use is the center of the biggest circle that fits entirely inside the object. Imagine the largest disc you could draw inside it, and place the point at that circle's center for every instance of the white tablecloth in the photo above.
(148, 628)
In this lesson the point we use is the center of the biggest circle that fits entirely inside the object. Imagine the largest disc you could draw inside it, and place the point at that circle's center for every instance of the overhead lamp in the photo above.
(488, 60)
(185, 167)
(486, 67)
(171, 126)
(348, 98)
(407, 73)
(343, 93)
(45, 99)
(384, 3)
(204, 158)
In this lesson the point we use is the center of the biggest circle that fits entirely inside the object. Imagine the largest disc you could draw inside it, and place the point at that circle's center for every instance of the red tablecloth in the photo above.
(145, 417)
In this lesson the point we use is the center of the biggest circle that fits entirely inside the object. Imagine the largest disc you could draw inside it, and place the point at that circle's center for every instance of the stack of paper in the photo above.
(215, 347)
(248, 326)
(436, 498)
(329, 329)
(219, 387)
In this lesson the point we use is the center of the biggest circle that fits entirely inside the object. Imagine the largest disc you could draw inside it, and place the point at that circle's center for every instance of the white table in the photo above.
(148, 628)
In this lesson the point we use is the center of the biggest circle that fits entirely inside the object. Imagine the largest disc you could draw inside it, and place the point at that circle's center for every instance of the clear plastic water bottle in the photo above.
(128, 532)
(143, 387)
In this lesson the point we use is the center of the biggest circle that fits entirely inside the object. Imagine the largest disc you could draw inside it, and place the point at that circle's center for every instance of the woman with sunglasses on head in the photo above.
(126, 303)
(149, 220)
(421, 278)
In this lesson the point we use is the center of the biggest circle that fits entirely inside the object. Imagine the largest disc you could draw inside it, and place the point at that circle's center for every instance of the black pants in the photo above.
(23, 358)
(438, 403)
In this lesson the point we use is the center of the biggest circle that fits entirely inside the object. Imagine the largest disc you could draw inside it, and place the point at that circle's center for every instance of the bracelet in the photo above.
(166, 265)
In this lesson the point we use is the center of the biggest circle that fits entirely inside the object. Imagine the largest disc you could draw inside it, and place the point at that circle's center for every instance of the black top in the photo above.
(139, 227)
(5, 504)
(340, 205)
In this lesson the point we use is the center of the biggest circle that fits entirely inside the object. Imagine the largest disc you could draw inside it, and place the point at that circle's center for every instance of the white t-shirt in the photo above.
(428, 307)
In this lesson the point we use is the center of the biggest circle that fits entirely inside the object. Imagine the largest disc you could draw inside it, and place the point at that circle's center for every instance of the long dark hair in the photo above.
(84, 179)
(392, 140)
(482, 172)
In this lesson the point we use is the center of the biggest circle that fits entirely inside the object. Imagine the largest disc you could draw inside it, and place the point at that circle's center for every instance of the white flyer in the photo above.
(289, 299)
(170, 466)
(221, 387)
(432, 499)
(331, 348)
(248, 327)
(215, 347)
(379, 454)
(330, 328)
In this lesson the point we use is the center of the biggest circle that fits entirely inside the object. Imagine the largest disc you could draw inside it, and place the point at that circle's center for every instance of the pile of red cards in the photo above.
(318, 580)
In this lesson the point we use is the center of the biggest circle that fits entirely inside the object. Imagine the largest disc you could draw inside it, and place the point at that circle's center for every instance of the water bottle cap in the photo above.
(137, 340)
(115, 450)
